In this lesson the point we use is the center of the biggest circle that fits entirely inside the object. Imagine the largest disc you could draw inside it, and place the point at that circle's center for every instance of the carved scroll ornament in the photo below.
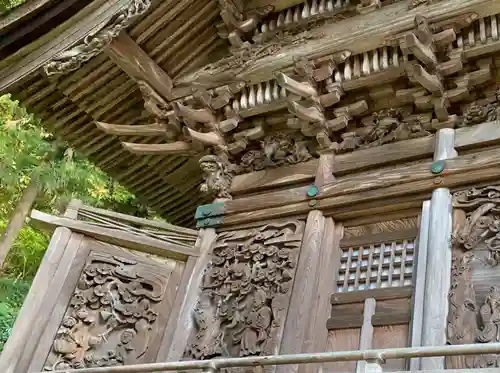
(482, 225)
(468, 322)
(275, 151)
(111, 317)
(93, 45)
(246, 291)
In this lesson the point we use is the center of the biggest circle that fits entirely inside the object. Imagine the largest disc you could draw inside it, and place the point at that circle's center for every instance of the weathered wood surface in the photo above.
(138, 65)
(180, 331)
(38, 338)
(439, 257)
(31, 58)
(130, 240)
(298, 321)
(483, 134)
(357, 35)
(368, 186)
(419, 282)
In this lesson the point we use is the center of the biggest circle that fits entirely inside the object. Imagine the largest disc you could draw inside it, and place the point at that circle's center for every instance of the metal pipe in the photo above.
(321, 357)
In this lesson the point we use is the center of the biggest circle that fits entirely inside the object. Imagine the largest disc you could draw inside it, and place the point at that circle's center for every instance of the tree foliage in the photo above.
(28, 151)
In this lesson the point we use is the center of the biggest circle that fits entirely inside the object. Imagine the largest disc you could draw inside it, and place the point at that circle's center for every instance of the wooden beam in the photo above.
(360, 34)
(32, 57)
(477, 136)
(276, 4)
(134, 130)
(177, 147)
(138, 65)
(133, 241)
(459, 172)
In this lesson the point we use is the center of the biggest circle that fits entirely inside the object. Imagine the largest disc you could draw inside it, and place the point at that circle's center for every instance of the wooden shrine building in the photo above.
(330, 172)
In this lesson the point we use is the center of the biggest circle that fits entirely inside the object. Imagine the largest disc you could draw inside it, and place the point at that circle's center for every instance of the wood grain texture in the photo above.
(438, 275)
(368, 181)
(327, 272)
(138, 65)
(303, 299)
(184, 326)
(381, 227)
(130, 240)
(391, 337)
(357, 34)
(342, 340)
(33, 56)
(419, 282)
(34, 301)
(53, 306)
(380, 238)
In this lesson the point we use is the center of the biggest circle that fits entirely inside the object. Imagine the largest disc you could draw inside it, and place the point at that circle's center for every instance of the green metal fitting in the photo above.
(312, 191)
(437, 167)
(210, 215)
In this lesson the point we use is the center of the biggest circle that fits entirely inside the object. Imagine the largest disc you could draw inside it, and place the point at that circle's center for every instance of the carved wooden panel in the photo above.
(115, 314)
(474, 296)
(246, 292)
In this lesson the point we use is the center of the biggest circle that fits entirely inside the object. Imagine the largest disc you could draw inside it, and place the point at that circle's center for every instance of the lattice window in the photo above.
(376, 266)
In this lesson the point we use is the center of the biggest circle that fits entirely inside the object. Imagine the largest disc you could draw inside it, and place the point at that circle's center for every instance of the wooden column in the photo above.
(317, 268)
(366, 337)
(180, 327)
(419, 282)
(438, 269)
(21, 344)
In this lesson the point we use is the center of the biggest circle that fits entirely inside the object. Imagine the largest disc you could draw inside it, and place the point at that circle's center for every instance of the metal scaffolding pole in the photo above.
(308, 358)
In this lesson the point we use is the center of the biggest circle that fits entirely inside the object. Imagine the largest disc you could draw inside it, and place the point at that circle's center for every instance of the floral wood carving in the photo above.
(246, 292)
(477, 113)
(111, 316)
(468, 323)
(482, 226)
(94, 44)
(276, 150)
(389, 126)
(217, 174)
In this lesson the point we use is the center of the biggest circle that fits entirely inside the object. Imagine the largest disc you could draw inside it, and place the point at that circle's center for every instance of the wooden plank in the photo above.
(387, 312)
(378, 294)
(168, 336)
(138, 65)
(342, 340)
(303, 297)
(419, 266)
(35, 55)
(368, 181)
(392, 337)
(276, 4)
(366, 335)
(476, 136)
(286, 175)
(327, 273)
(481, 135)
(379, 238)
(135, 242)
(185, 323)
(14, 349)
(458, 177)
(358, 34)
(38, 336)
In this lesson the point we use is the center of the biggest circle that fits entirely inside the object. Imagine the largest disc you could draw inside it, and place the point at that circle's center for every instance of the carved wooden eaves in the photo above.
(95, 44)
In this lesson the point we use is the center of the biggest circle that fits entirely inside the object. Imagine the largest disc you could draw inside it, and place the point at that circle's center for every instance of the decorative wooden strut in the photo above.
(246, 291)
(468, 322)
(93, 45)
(112, 314)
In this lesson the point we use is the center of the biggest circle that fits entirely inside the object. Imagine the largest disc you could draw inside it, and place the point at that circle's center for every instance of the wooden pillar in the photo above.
(419, 283)
(180, 326)
(439, 255)
(318, 264)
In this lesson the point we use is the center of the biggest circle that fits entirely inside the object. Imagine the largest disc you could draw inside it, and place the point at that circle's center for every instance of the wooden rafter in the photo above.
(138, 65)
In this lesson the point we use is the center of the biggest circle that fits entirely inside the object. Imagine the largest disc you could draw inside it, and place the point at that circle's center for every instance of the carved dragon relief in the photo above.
(245, 292)
(94, 44)
(111, 318)
(468, 322)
